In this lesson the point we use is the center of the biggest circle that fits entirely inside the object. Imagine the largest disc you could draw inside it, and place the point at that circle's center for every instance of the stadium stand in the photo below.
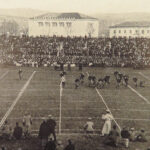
(46, 51)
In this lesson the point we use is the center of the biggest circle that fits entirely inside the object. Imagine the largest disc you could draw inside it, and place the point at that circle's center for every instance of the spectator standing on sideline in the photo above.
(113, 138)
(17, 132)
(107, 123)
(44, 133)
(125, 134)
(27, 120)
(51, 123)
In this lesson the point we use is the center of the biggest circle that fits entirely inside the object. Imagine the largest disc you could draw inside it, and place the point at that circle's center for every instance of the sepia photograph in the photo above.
(74, 74)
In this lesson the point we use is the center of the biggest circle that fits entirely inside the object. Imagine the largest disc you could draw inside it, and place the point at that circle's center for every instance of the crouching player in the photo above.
(135, 81)
(142, 83)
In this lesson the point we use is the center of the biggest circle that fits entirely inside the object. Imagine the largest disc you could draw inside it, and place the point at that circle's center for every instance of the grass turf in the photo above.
(42, 98)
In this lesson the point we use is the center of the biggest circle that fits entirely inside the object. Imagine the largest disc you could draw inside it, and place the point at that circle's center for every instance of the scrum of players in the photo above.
(100, 83)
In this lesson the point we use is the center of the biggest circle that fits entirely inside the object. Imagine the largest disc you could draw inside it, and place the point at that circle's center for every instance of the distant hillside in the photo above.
(21, 12)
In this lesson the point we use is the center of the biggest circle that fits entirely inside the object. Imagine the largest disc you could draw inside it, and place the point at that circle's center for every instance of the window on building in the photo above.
(40, 24)
(54, 24)
(69, 24)
(125, 31)
(47, 24)
(136, 31)
(142, 31)
(119, 31)
(130, 31)
(61, 24)
(147, 31)
(114, 31)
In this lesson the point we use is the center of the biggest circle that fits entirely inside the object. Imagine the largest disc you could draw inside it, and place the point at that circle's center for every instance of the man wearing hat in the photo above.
(107, 122)
(51, 124)
(27, 120)
(125, 134)
(88, 127)
(132, 134)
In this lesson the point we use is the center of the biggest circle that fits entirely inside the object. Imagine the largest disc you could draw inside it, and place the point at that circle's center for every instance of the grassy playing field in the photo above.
(130, 106)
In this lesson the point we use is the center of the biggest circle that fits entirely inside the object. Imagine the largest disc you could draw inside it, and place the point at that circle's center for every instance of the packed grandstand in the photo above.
(47, 51)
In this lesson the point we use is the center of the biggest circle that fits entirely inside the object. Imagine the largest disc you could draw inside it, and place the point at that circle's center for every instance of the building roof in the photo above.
(63, 16)
(132, 24)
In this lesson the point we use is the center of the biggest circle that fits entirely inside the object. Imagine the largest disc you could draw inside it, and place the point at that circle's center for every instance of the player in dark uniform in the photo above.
(62, 73)
(142, 83)
(100, 83)
(116, 73)
(82, 78)
(135, 81)
(126, 79)
(107, 79)
(77, 81)
(89, 80)
(119, 79)
(20, 74)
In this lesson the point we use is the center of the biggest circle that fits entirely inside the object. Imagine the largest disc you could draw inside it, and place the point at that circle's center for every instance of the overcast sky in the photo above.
(84, 6)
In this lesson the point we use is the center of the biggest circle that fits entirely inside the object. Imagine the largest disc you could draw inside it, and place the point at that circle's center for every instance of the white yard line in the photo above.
(137, 93)
(107, 107)
(16, 100)
(83, 118)
(100, 108)
(3, 75)
(77, 101)
(143, 75)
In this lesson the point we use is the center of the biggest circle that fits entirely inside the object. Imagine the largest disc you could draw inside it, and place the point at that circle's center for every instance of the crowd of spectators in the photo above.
(45, 51)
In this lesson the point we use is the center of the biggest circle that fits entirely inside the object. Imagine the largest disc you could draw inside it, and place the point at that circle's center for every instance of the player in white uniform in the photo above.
(63, 81)
(107, 124)
(27, 120)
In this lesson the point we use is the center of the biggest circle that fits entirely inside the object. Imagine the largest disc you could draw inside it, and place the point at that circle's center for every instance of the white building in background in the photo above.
(130, 29)
(63, 24)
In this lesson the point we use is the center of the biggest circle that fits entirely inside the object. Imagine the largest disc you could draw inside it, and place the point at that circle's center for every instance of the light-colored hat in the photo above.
(50, 116)
(59, 142)
(132, 129)
(89, 118)
(107, 110)
(44, 118)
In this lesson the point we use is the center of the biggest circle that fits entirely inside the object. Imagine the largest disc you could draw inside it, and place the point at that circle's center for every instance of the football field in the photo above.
(38, 93)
